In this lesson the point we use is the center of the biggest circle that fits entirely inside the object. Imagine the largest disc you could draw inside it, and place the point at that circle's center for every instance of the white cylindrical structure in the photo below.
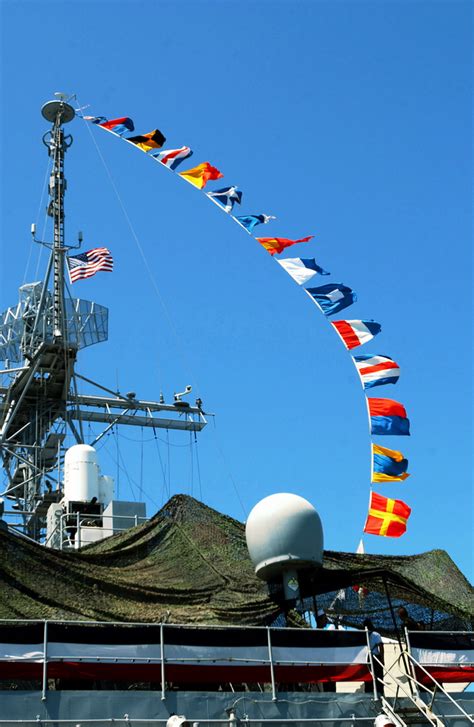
(81, 473)
(106, 489)
(284, 531)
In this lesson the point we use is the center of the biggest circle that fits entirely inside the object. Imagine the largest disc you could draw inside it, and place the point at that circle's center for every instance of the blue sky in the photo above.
(346, 120)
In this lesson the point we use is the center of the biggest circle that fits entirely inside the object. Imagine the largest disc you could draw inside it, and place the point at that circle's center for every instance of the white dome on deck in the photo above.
(284, 531)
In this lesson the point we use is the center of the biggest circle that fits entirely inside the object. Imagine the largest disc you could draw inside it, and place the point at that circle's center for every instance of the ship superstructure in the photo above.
(40, 407)
(171, 621)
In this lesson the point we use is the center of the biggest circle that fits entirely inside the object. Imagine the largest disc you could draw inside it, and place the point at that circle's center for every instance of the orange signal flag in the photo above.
(153, 140)
(386, 517)
(200, 175)
(278, 244)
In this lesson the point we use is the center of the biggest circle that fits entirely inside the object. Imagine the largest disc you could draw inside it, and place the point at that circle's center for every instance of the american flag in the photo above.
(89, 263)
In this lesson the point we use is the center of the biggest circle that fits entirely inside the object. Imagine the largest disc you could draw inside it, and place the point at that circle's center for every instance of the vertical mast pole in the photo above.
(58, 112)
(57, 187)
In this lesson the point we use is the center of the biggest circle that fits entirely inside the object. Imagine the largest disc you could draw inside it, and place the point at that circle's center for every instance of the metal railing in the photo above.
(411, 690)
(66, 542)
(162, 660)
(404, 662)
(130, 721)
(77, 523)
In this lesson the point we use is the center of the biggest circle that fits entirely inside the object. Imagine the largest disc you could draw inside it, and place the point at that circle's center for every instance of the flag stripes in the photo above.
(376, 370)
(89, 263)
(355, 333)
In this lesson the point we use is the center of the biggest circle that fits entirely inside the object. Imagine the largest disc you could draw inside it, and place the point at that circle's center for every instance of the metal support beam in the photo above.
(16, 404)
(187, 425)
(138, 404)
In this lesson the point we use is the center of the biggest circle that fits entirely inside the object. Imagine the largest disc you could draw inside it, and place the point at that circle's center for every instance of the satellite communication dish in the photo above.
(51, 109)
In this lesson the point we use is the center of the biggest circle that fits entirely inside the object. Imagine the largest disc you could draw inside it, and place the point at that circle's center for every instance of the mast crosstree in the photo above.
(43, 333)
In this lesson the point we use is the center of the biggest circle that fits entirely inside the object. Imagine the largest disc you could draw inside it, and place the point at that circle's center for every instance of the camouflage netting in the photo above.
(353, 587)
(189, 564)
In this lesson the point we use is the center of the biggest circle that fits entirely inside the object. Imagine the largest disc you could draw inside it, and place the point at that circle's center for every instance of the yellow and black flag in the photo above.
(153, 140)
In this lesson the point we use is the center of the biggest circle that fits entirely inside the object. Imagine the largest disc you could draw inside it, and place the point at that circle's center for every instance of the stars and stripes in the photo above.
(355, 333)
(87, 264)
(376, 370)
(172, 158)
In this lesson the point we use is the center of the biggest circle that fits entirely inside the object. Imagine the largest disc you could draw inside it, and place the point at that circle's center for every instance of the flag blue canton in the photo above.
(86, 264)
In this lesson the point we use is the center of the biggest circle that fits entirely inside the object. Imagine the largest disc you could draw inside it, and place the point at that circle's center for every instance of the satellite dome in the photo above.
(284, 531)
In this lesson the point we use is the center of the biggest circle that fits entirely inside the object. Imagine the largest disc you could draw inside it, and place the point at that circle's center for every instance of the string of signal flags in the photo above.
(386, 517)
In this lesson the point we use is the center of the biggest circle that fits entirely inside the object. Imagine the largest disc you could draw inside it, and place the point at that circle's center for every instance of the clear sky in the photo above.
(347, 120)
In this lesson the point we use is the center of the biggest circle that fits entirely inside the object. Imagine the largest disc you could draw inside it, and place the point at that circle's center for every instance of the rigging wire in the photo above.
(169, 462)
(140, 491)
(178, 338)
(40, 205)
(191, 461)
(163, 471)
(130, 479)
(197, 465)
(164, 441)
(229, 473)
(182, 351)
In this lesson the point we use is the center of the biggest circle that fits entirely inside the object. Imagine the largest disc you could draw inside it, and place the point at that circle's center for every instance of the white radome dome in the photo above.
(284, 531)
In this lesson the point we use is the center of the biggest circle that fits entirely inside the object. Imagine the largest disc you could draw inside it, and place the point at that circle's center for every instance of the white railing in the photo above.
(410, 690)
(162, 660)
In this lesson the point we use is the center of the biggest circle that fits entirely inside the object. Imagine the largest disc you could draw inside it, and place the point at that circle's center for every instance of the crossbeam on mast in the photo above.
(186, 424)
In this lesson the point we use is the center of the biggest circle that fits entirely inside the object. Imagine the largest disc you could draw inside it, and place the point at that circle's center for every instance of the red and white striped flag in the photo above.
(89, 263)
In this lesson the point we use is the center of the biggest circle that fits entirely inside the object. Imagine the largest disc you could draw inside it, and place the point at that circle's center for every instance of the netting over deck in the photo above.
(189, 564)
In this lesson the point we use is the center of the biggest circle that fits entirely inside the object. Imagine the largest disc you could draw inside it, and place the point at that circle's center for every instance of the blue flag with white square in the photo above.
(332, 298)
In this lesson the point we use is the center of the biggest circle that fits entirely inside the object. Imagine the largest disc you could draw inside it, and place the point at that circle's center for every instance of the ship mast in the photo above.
(44, 332)
(59, 112)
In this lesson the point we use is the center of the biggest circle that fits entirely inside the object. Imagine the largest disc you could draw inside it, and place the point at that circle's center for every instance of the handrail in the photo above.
(63, 526)
(437, 685)
(407, 693)
(126, 720)
(166, 624)
(157, 624)
(422, 706)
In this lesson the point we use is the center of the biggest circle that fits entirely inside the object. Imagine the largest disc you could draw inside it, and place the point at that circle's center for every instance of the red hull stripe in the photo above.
(446, 674)
(183, 674)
